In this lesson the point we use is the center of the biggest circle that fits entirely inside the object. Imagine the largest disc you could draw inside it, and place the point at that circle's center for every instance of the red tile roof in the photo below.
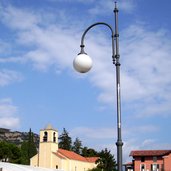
(59, 155)
(74, 156)
(139, 153)
(128, 164)
(91, 159)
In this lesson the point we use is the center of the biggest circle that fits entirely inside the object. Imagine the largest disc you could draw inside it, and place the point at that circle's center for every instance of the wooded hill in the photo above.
(16, 137)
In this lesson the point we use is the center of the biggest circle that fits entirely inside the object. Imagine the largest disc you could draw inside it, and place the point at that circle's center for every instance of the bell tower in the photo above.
(48, 144)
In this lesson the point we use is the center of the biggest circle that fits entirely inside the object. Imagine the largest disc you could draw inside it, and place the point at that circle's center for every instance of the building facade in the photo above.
(50, 156)
(151, 160)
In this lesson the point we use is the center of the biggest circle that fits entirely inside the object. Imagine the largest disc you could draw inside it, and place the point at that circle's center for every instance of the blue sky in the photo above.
(38, 85)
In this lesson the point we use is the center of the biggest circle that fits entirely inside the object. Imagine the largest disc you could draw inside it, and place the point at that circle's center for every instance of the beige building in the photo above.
(50, 156)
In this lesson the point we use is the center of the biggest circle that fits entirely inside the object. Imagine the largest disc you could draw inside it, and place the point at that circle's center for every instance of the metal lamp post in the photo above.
(83, 63)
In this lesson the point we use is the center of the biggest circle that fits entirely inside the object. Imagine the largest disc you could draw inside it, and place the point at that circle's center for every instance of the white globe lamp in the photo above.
(82, 63)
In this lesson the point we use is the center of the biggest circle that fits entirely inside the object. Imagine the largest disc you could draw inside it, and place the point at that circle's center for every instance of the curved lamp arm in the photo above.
(93, 25)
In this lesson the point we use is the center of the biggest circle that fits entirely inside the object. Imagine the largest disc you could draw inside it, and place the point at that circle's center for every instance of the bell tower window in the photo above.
(54, 137)
(45, 136)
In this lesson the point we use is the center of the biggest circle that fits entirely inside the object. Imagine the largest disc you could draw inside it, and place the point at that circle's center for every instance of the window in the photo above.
(154, 159)
(54, 137)
(142, 167)
(155, 167)
(45, 137)
(143, 159)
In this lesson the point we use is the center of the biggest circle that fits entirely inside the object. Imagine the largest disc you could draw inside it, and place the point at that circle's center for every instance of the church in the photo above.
(50, 156)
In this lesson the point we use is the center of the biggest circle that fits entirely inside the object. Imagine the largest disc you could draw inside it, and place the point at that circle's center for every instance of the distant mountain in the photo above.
(16, 137)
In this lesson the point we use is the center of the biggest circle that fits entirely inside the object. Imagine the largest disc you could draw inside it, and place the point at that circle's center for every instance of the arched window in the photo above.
(54, 137)
(45, 137)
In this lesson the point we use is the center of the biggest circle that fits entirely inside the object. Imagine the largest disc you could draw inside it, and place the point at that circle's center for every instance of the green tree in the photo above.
(15, 154)
(24, 153)
(4, 151)
(65, 141)
(9, 152)
(31, 145)
(28, 149)
(89, 152)
(77, 146)
(106, 162)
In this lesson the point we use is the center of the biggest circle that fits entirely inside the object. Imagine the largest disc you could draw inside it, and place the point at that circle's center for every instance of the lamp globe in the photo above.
(82, 63)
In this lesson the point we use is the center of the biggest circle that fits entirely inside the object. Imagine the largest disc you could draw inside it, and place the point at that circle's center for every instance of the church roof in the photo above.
(49, 126)
(74, 156)
(92, 159)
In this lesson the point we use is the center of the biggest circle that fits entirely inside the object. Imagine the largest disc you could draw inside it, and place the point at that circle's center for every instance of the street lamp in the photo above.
(83, 63)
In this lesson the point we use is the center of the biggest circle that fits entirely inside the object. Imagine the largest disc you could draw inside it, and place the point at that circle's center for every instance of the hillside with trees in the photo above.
(13, 153)
(17, 137)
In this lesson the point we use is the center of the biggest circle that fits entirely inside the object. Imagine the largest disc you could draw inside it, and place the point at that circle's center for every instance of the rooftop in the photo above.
(149, 153)
(74, 156)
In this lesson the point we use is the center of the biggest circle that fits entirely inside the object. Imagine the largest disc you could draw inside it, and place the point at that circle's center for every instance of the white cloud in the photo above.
(147, 128)
(136, 130)
(148, 143)
(6, 107)
(145, 68)
(20, 22)
(82, 1)
(9, 76)
(97, 138)
(8, 114)
(127, 6)
(156, 109)
(106, 7)
(102, 6)
(4, 47)
(147, 63)
(100, 133)
(12, 60)
(9, 122)
(51, 48)
(108, 137)
(48, 45)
